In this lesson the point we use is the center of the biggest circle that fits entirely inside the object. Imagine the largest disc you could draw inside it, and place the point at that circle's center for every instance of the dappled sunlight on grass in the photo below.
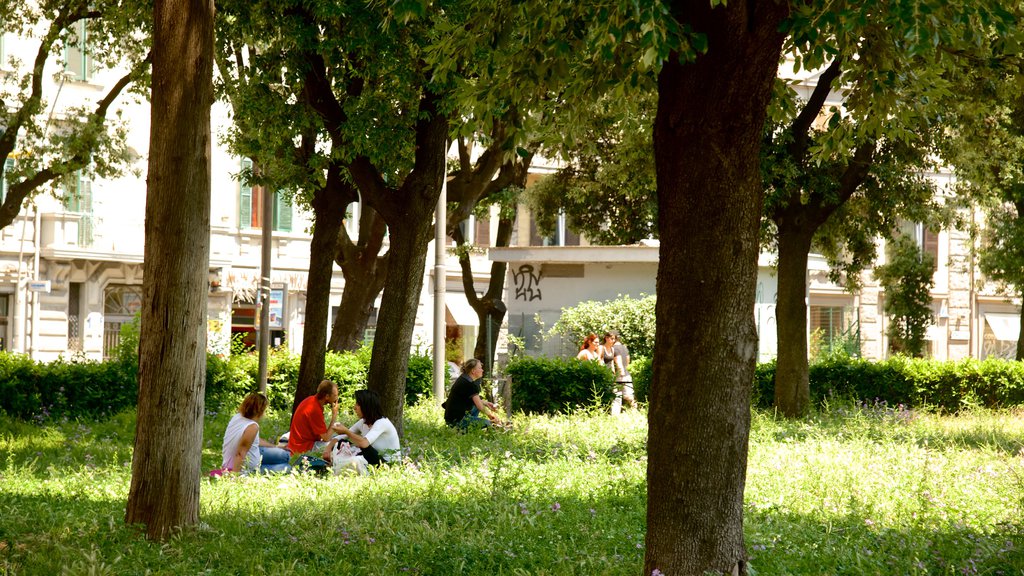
(850, 490)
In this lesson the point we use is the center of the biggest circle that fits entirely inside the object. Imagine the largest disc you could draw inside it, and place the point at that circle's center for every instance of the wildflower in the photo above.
(593, 512)
(657, 572)
(556, 507)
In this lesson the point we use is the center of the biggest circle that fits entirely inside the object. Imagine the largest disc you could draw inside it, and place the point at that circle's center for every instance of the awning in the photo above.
(1006, 327)
(460, 310)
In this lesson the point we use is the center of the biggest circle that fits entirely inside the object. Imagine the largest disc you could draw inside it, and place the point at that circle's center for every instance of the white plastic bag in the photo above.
(347, 460)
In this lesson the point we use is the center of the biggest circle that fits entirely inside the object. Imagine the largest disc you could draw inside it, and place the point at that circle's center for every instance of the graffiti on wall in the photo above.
(527, 283)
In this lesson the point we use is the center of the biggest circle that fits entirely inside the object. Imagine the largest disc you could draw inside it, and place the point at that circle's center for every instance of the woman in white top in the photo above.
(243, 449)
(588, 351)
(373, 434)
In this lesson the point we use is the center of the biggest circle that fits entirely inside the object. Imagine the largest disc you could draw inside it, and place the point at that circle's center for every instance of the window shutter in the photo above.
(85, 225)
(245, 196)
(282, 213)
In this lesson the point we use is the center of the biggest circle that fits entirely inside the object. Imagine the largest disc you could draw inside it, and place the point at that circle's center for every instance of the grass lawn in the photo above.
(852, 490)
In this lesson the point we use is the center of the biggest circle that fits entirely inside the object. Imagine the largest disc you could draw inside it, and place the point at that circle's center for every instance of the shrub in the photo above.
(947, 385)
(632, 317)
(545, 385)
(82, 388)
(640, 370)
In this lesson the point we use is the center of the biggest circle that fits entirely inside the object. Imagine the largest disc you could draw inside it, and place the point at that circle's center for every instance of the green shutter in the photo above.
(73, 192)
(282, 213)
(245, 197)
(85, 225)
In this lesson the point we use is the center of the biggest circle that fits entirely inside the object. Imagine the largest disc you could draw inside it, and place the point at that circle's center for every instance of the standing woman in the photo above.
(607, 352)
(243, 449)
(374, 435)
(588, 351)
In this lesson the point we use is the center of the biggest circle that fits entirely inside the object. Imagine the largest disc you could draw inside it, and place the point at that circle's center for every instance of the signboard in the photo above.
(276, 309)
(39, 286)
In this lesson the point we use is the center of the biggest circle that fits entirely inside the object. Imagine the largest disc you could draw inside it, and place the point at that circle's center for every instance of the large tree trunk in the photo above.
(792, 387)
(329, 205)
(365, 273)
(399, 303)
(707, 137)
(164, 491)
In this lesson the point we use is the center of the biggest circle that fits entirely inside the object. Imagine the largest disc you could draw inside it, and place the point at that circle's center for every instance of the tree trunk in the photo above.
(164, 491)
(490, 308)
(707, 137)
(328, 216)
(1020, 337)
(792, 387)
(365, 273)
(399, 303)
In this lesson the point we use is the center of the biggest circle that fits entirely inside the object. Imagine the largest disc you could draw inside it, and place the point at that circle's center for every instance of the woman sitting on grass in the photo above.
(374, 435)
(243, 449)
(464, 406)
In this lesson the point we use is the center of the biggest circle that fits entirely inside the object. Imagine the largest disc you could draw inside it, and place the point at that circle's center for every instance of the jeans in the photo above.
(473, 421)
(274, 459)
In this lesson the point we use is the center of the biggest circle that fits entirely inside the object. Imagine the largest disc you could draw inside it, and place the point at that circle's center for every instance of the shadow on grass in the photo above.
(378, 525)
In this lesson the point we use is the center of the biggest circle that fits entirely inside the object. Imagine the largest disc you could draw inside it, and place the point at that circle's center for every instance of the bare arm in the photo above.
(238, 462)
(332, 428)
(480, 404)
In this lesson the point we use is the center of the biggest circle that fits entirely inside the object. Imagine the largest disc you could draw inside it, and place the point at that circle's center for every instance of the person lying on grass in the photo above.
(243, 449)
(373, 436)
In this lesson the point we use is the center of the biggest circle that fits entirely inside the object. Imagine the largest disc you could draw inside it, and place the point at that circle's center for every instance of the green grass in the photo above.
(849, 491)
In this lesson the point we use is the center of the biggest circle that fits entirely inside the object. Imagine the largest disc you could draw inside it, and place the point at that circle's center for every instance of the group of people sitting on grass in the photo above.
(317, 444)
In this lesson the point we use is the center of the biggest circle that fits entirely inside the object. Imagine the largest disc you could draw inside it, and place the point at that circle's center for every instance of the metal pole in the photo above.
(440, 285)
(268, 225)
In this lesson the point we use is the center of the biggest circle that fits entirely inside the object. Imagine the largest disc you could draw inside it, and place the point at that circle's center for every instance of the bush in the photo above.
(640, 370)
(89, 389)
(632, 317)
(548, 386)
(948, 385)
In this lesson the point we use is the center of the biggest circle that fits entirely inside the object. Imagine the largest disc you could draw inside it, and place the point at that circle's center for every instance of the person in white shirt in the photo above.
(373, 435)
(243, 450)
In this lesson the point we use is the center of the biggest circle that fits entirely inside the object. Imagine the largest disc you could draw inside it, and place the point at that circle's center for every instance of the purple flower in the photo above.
(556, 507)
(657, 572)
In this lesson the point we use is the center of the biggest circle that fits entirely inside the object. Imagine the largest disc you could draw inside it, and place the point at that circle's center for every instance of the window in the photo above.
(5, 306)
(8, 165)
(120, 305)
(76, 53)
(74, 316)
(833, 328)
(561, 236)
(250, 202)
(78, 199)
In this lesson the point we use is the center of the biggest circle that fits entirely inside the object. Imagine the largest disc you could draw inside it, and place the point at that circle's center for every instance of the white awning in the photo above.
(460, 310)
(1006, 327)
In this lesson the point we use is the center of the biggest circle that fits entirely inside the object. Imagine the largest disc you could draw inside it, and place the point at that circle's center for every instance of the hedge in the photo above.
(88, 389)
(551, 386)
(545, 385)
(915, 382)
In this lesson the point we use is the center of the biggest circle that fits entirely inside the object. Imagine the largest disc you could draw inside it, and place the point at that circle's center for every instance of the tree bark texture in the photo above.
(707, 138)
(164, 491)
(489, 308)
(399, 303)
(328, 218)
(365, 271)
(792, 387)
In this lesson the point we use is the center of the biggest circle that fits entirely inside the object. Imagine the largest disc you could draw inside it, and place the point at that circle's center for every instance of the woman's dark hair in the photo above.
(470, 364)
(369, 403)
(254, 405)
